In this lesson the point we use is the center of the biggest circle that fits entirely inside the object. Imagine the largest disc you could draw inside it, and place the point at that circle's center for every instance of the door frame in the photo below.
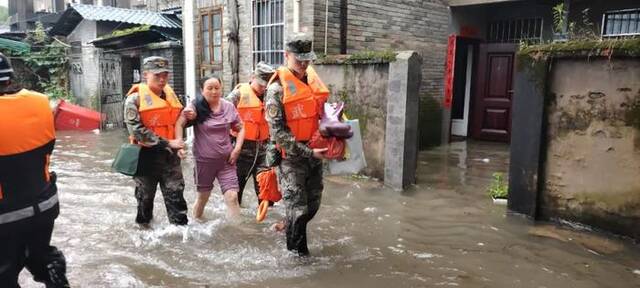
(469, 74)
(480, 88)
(470, 80)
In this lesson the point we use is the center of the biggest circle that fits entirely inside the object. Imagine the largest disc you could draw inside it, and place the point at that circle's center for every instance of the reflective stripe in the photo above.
(17, 215)
(47, 204)
(29, 211)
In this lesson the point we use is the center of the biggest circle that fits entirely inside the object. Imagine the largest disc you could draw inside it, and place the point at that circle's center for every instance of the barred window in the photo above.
(621, 23)
(515, 30)
(268, 31)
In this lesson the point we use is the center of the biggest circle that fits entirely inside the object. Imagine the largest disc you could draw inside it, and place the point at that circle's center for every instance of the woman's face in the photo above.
(212, 89)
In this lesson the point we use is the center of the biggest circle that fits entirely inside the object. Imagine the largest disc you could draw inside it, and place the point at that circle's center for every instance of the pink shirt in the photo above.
(212, 139)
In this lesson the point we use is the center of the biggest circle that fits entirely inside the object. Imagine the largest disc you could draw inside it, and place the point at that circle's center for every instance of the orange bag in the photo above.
(336, 147)
(268, 182)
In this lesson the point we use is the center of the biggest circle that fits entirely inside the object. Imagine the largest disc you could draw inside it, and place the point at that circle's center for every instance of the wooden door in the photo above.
(494, 89)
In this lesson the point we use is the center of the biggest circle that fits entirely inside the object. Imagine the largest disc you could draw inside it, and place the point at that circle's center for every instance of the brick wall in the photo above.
(420, 25)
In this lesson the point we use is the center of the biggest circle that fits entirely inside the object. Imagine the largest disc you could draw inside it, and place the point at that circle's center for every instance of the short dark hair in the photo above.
(208, 77)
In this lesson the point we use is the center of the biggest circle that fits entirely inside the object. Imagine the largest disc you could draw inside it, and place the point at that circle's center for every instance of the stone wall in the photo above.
(593, 146)
(363, 87)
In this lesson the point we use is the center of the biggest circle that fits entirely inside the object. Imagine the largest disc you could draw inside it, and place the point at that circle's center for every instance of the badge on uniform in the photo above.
(131, 114)
(272, 110)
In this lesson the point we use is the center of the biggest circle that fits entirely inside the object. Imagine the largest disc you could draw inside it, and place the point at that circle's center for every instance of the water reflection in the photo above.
(443, 232)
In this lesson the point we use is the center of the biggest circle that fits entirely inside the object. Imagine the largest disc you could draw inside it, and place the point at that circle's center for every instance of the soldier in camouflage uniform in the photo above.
(252, 155)
(159, 162)
(300, 169)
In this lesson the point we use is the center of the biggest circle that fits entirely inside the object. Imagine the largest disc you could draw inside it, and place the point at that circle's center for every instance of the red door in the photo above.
(494, 89)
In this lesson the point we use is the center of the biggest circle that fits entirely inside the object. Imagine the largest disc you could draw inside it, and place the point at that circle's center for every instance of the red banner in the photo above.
(448, 71)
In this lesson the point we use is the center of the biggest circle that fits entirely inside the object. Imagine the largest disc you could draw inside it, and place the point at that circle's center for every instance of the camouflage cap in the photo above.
(263, 73)
(155, 64)
(300, 44)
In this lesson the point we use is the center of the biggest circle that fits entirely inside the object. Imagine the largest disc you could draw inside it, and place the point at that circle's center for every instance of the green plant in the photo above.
(498, 187)
(559, 18)
(49, 63)
(587, 29)
(368, 55)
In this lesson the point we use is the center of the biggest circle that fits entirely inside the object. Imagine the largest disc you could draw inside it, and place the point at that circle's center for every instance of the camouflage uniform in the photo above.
(157, 164)
(245, 163)
(247, 156)
(299, 174)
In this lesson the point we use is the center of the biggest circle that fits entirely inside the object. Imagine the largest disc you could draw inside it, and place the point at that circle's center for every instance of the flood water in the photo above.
(444, 232)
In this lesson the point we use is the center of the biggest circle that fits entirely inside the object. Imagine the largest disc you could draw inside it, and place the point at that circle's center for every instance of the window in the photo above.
(515, 30)
(268, 31)
(621, 23)
(211, 37)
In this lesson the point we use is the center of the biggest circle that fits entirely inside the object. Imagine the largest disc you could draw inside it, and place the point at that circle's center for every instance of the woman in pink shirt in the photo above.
(214, 154)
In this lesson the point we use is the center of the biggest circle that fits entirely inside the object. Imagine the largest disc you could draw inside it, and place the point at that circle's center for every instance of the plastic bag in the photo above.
(354, 154)
(330, 124)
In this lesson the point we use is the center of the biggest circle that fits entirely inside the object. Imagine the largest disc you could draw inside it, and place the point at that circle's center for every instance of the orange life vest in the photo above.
(157, 114)
(28, 136)
(251, 111)
(302, 102)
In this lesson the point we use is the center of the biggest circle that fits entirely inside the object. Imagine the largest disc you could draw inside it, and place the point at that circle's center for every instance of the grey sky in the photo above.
(4, 3)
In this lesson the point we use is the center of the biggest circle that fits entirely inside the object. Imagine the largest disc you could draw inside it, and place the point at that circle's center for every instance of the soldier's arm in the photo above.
(278, 129)
(136, 129)
(234, 97)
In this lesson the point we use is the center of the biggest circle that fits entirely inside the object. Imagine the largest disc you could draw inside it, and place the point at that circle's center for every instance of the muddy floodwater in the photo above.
(444, 232)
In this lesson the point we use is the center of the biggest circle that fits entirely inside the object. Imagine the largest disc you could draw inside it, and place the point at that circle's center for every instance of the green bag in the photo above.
(126, 161)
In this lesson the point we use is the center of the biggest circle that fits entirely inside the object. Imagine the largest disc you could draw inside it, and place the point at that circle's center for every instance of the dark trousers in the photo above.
(26, 243)
(167, 172)
(300, 180)
(246, 168)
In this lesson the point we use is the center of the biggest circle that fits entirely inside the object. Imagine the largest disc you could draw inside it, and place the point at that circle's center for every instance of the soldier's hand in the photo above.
(182, 153)
(176, 144)
(234, 156)
(189, 113)
(318, 153)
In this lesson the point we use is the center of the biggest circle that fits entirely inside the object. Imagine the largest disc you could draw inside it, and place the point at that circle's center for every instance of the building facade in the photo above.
(255, 30)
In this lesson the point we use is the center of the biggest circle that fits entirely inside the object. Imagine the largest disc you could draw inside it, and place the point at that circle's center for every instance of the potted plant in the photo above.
(498, 189)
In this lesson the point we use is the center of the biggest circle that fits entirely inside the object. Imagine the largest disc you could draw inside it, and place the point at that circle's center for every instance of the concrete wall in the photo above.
(593, 154)
(416, 25)
(363, 87)
(87, 83)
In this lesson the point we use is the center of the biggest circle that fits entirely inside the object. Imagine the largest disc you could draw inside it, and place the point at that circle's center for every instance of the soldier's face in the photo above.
(296, 65)
(156, 81)
(212, 89)
(258, 88)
